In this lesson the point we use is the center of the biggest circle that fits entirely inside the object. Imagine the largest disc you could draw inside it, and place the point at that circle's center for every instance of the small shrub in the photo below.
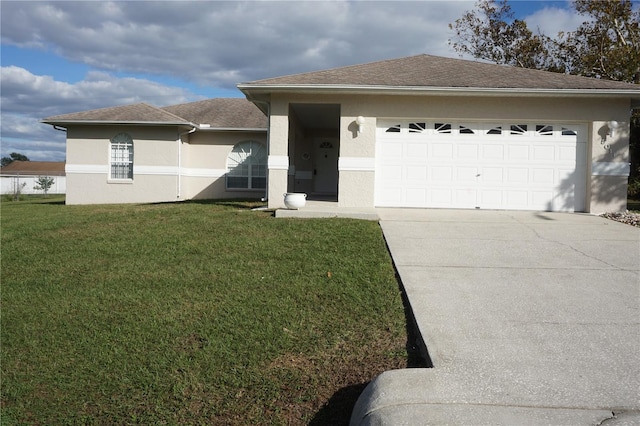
(633, 190)
(43, 184)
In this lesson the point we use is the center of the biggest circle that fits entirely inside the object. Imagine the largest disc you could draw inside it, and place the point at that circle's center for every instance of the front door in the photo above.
(325, 172)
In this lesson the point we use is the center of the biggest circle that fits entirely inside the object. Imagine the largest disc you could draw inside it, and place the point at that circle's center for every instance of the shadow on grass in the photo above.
(50, 200)
(238, 203)
(337, 411)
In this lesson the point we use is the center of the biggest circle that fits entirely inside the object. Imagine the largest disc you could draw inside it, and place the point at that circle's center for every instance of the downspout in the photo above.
(268, 105)
(180, 135)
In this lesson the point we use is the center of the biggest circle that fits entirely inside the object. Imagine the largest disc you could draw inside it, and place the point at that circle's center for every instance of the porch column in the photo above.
(357, 161)
(278, 161)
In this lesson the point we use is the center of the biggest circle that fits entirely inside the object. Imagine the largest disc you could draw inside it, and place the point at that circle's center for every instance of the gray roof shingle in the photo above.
(49, 168)
(229, 113)
(434, 71)
(138, 113)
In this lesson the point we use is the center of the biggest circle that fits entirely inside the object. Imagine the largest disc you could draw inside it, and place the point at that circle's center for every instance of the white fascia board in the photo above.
(118, 123)
(232, 129)
(421, 90)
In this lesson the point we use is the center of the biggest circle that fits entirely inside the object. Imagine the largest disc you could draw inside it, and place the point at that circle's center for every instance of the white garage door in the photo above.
(509, 165)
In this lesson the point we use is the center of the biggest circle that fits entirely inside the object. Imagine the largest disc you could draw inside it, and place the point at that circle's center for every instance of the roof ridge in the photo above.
(430, 71)
(343, 67)
(200, 101)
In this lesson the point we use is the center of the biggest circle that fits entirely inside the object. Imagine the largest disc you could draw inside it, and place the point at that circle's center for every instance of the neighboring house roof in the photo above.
(33, 168)
(232, 113)
(432, 73)
(226, 113)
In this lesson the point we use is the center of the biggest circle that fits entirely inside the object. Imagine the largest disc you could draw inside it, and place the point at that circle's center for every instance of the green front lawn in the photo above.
(191, 313)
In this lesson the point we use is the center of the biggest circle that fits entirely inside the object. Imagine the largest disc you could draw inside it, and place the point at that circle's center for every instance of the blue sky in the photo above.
(59, 57)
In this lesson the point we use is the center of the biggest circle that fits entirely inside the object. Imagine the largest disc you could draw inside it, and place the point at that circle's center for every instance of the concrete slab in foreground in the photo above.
(526, 315)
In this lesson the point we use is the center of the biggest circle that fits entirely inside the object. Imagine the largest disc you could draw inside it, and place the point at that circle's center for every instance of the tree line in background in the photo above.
(14, 156)
(606, 45)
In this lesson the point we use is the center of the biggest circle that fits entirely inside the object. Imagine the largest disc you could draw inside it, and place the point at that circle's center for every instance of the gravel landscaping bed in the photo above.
(630, 218)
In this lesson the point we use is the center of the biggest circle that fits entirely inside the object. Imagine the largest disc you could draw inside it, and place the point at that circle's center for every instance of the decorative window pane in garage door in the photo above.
(498, 165)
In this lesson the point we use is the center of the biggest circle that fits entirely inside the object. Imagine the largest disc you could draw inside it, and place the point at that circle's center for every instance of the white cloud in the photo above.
(223, 43)
(28, 98)
(552, 20)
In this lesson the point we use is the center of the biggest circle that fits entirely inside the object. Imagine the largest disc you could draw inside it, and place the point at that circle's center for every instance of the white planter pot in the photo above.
(295, 200)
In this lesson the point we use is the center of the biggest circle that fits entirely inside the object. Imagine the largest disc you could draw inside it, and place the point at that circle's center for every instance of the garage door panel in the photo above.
(391, 196)
(391, 173)
(542, 176)
(440, 197)
(542, 200)
(466, 174)
(465, 198)
(517, 152)
(535, 166)
(442, 151)
(517, 198)
(567, 153)
(390, 150)
(418, 173)
(417, 150)
(417, 196)
(442, 173)
(467, 151)
(543, 153)
(492, 175)
(491, 198)
(493, 152)
(517, 175)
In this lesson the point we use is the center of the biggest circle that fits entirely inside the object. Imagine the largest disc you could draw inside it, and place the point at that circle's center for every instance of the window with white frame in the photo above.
(121, 162)
(247, 166)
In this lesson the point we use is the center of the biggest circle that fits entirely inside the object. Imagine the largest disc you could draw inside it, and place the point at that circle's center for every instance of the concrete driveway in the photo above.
(528, 318)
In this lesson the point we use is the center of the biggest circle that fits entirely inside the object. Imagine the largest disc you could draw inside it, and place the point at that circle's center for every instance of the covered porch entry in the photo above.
(314, 148)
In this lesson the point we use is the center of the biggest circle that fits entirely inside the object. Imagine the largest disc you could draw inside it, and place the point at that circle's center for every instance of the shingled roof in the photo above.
(231, 113)
(426, 71)
(33, 168)
(136, 113)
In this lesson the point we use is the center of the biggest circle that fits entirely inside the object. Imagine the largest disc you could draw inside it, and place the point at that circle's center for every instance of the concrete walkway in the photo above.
(528, 318)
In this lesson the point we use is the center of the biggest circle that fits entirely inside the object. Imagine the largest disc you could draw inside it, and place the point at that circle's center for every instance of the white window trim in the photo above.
(113, 141)
(249, 188)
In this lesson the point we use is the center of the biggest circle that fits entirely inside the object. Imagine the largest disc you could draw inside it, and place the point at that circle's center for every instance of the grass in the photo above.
(191, 313)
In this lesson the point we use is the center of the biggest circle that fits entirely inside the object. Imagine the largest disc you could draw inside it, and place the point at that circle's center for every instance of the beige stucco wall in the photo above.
(164, 169)
(155, 165)
(356, 188)
(609, 152)
(204, 164)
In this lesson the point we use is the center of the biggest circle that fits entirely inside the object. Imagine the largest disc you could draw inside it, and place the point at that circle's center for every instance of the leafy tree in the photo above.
(491, 32)
(14, 156)
(607, 45)
(44, 183)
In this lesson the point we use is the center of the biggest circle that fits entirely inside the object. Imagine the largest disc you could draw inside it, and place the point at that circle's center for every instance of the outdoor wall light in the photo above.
(612, 125)
(360, 123)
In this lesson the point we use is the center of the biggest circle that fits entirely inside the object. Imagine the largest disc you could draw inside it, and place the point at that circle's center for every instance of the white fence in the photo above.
(26, 183)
